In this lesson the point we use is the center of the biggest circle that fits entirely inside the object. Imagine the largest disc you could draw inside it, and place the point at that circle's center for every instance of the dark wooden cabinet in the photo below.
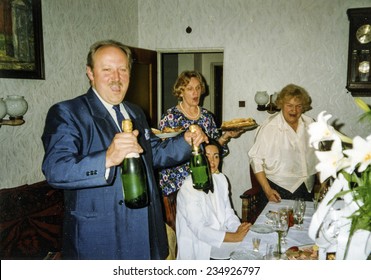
(359, 54)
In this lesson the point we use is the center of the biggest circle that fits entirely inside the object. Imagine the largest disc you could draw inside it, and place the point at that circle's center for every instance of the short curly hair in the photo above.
(183, 80)
(294, 91)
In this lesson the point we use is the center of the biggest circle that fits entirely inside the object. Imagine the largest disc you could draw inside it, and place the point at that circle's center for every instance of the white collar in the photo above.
(110, 109)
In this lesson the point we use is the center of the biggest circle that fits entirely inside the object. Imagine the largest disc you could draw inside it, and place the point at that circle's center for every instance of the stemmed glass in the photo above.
(284, 212)
(299, 211)
(279, 225)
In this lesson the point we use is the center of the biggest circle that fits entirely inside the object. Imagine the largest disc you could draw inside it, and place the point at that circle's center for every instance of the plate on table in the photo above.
(169, 134)
(224, 251)
(246, 255)
(304, 252)
(261, 228)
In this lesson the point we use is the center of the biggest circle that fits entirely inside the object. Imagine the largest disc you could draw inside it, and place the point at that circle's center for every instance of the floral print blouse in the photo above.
(171, 179)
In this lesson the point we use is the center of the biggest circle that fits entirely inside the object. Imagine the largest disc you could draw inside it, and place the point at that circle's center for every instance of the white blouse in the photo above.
(203, 219)
(283, 154)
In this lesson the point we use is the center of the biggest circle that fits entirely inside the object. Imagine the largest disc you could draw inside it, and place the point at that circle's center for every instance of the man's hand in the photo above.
(122, 144)
(195, 132)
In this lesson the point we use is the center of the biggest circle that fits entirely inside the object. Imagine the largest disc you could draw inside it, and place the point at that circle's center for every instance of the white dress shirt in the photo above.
(110, 109)
(203, 219)
(283, 154)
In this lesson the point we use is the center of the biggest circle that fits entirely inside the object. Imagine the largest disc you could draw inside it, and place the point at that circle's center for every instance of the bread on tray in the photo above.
(238, 123)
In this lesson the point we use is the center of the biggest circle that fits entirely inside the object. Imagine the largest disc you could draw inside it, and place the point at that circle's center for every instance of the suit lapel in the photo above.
(101, 117)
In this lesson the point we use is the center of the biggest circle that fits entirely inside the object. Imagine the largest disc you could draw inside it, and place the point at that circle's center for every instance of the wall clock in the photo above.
(359, 54)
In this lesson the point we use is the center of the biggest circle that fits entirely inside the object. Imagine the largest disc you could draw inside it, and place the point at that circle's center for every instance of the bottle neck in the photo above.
(127, 126)
(195, 149)
(132, 155)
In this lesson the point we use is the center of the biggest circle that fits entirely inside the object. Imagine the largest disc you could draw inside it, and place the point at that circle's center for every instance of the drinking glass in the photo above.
(270, 252)
(256, 244)
(299, 211)
(280, 225)
(284, 212)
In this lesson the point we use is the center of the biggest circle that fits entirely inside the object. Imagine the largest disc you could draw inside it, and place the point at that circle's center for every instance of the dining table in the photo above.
(262, 229)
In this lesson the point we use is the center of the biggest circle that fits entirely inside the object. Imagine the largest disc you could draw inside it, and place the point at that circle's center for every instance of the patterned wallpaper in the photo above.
(69, 28)
(267, 44)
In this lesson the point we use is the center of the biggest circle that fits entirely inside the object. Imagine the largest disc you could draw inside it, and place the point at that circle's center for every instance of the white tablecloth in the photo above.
(295, 237)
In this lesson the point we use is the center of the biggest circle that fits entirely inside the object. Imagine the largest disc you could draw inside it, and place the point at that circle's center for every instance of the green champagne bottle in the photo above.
(134, 181)
(200, 169)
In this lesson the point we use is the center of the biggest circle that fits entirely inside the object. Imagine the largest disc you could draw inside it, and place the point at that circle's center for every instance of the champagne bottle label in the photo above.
(199, 176)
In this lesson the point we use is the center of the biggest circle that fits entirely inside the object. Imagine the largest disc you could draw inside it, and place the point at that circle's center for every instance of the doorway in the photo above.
(209, 64)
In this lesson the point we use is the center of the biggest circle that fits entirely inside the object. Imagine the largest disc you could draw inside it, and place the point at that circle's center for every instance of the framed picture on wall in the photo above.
(21, 41)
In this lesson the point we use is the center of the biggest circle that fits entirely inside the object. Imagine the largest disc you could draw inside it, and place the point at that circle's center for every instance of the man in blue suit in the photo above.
(84, 147)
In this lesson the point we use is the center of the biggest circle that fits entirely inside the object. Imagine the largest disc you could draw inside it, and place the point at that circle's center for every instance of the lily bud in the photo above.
(361, 104)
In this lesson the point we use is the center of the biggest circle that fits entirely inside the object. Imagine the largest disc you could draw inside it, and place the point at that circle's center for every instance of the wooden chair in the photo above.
(251, 206)
(170, 209)
(170, 218)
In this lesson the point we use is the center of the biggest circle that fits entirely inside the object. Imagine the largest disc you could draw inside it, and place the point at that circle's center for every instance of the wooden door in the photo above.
(143, 83)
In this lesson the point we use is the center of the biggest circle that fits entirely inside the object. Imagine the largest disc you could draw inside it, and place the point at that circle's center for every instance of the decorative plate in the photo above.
(261, 228)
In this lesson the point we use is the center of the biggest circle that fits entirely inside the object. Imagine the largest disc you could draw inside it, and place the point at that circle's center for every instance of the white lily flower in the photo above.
(330, 161)
(350, 189)
(361, 153)
(320, 130)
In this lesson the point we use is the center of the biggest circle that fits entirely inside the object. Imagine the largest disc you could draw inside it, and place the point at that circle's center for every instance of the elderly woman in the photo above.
(189, 87)
(281, 158)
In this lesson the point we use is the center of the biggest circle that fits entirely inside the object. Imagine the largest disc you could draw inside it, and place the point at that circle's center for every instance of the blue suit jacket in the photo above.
(97, 224)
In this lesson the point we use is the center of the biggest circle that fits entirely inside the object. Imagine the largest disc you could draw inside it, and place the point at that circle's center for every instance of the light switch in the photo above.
(241, 103)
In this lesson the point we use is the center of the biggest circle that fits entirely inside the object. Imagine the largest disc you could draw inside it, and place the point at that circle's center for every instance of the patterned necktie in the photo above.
(119, 115)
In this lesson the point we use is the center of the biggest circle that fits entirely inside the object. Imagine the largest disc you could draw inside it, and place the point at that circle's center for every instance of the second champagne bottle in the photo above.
(200, 169)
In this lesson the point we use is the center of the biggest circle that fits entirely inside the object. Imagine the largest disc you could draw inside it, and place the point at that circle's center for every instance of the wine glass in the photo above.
(279, 225)
(284, 212)
(299, 211)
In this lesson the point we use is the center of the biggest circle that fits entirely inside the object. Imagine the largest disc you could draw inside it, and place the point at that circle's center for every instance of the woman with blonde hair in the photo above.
(189, 87)
(281, 158)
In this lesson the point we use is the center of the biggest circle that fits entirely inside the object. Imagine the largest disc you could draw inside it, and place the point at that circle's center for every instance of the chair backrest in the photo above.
(170, 209)
(251, 206)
